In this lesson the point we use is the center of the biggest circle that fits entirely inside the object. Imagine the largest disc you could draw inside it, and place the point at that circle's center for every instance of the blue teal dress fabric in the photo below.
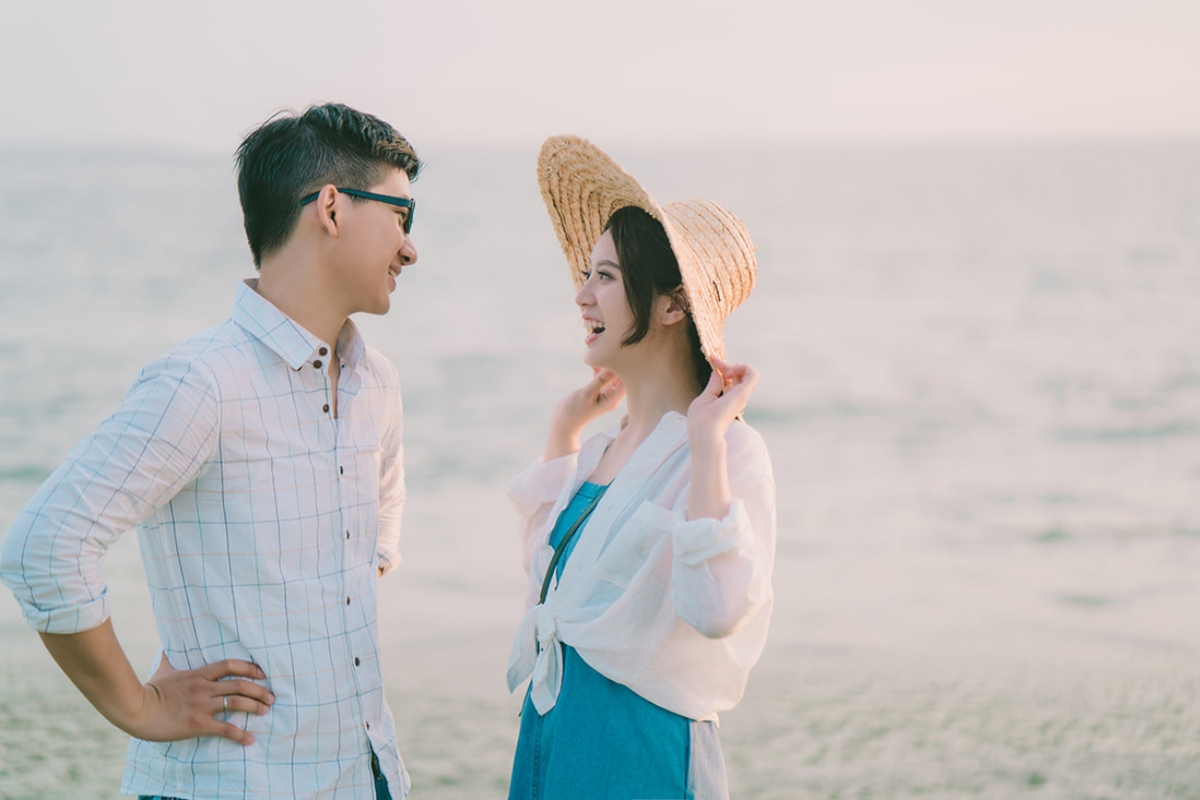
(602, 740)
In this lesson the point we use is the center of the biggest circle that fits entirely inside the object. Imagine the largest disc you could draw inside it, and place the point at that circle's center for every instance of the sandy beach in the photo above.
(1019, 672)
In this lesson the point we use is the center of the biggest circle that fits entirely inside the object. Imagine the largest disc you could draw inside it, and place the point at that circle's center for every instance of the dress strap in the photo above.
(567, 537)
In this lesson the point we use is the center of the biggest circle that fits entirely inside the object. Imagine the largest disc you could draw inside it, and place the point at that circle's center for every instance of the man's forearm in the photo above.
(173, 704)
(99, 668)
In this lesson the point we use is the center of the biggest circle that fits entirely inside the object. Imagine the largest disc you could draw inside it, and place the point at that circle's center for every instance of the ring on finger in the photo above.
(225, 703)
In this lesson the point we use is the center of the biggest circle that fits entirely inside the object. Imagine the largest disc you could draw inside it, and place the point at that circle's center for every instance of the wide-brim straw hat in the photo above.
(582, 188)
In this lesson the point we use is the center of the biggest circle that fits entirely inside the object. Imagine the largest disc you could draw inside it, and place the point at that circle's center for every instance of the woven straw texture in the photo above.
(582, 187)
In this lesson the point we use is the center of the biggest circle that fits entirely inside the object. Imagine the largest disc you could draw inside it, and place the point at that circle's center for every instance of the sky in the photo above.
(198, 76)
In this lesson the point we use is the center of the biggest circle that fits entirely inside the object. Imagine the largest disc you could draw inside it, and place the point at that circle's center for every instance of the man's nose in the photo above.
(408, 252)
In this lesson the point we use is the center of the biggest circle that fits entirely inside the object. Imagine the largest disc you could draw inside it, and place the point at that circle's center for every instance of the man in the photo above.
(261, 463)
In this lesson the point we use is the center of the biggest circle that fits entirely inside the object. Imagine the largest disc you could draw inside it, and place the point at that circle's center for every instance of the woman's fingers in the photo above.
(715, 384)
(730, 372)
(741, 375)
(739, 389)
(725, 396)
(605, 389)
(613, 390)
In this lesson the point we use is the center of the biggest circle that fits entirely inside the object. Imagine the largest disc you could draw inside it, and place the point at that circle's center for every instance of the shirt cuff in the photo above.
(387, 557)
(72, 619)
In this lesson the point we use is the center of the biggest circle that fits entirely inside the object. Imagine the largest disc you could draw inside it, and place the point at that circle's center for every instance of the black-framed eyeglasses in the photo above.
(403, 202)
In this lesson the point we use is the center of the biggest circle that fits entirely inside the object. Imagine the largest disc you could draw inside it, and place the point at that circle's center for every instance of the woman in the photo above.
(649, 548)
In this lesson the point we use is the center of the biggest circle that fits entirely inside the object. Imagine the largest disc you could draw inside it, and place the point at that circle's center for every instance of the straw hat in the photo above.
(582, 187)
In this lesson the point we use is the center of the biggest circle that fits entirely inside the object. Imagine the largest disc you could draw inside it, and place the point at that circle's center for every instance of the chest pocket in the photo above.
(640, 533)
(637, 546)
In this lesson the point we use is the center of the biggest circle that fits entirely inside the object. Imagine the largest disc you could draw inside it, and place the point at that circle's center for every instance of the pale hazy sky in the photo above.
(199, 74)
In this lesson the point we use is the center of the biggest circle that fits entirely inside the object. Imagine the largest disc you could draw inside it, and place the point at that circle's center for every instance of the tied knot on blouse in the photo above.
(538, 655)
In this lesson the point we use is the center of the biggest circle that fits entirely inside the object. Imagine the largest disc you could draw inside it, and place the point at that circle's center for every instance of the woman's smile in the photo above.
(594, 328)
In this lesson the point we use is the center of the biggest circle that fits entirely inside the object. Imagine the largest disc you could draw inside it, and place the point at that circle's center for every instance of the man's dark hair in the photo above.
(649, 268)
(291, 156)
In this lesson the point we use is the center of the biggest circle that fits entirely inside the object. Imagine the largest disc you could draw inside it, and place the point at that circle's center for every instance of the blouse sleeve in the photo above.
(533, 492)
(721, 573)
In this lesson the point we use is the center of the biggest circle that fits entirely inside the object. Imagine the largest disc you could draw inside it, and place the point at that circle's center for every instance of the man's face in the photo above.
(375, 247)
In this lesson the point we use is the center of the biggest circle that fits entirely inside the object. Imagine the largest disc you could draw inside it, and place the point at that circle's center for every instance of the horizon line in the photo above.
(151, 147)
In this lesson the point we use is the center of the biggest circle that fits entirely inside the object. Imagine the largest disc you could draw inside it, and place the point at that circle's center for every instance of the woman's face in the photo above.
(607, 318)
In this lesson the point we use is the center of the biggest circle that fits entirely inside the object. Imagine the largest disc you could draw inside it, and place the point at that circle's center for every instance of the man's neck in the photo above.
(295, 288)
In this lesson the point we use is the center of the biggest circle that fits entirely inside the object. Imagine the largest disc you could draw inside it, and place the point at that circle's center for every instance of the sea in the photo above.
(980, 387)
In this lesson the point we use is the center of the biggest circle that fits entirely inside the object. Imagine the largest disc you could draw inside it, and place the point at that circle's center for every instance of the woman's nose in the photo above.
(583, 297)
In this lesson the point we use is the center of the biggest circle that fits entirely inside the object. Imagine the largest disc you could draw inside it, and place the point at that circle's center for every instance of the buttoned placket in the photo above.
(347, 500)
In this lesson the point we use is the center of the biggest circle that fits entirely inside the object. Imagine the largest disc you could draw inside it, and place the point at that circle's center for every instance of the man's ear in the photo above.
(673, 307)
(327, 203)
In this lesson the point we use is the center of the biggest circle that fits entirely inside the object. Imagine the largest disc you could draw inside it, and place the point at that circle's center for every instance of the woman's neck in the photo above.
(667, 384)
(658, 378)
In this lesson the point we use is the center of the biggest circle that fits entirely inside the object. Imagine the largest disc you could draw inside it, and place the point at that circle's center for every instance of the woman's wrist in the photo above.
(706, 444)
(561, 442)
(708, 495)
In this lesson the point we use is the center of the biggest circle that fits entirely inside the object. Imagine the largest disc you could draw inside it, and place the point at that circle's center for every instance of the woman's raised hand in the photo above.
(597, 397)
(714, 409)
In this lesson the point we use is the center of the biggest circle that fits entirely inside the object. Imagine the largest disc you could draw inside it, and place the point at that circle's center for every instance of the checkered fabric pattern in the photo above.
(263, 523)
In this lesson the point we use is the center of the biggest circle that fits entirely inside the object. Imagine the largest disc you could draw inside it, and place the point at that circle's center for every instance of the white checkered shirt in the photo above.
(262, 521)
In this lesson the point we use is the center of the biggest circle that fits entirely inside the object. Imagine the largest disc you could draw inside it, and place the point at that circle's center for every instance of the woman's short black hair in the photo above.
(292, 155)
(649, 268)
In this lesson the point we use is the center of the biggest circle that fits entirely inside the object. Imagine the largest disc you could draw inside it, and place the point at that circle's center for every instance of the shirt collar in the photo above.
(286, 337)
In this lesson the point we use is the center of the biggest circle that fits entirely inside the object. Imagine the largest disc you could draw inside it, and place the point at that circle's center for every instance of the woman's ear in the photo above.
(673, 307)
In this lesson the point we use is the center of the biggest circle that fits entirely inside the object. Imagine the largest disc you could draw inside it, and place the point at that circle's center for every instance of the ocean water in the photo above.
(980, 386)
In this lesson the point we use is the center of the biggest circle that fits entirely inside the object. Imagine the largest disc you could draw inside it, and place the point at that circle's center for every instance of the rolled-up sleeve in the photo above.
(721, 571)
(131, 465)
(534, 492)
(392, 491)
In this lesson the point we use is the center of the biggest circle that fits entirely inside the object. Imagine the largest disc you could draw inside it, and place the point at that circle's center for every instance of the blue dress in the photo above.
(601, 739)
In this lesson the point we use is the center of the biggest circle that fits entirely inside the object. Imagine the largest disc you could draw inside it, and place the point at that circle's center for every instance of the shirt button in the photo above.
(341, 470)
(356, 661)
(322, 351)
(368, 726)
(325, 407)
(317, 363)
(347, 601)
(347, 534)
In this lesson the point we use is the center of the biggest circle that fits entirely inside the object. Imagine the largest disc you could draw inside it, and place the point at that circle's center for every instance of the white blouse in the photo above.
(676, 610)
